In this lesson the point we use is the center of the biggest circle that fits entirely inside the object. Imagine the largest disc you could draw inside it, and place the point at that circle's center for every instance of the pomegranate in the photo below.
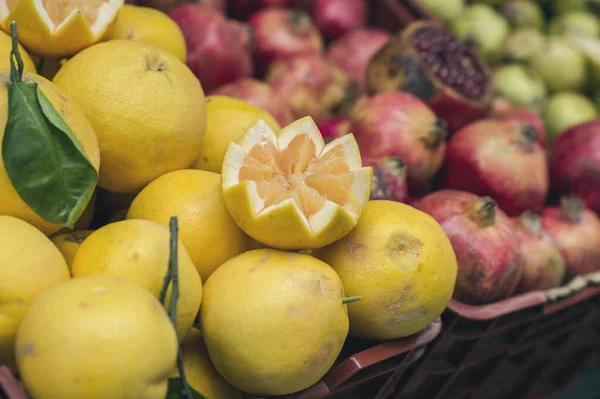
(505, 110)
(166, 5)
(502, 159)
(427, 61)
(309, 84)
(575, 163)
(333, 128)
(490, 264)
(260, 94)
(397, 124)
(334, 18)
(362, 44)
(576, 231)
(389, 178)
(218, 50)
(243, 8)
(543, 264)
(281, 33)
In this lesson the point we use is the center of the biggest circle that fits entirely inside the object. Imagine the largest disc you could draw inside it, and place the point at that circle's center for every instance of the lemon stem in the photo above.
(172, 277)
(350, 299)
(16, 71)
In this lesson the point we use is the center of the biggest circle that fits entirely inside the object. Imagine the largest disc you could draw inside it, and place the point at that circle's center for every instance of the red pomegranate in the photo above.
(218, 50)
(543, 264)
(260, 94)
(575, 163)
(504, 110)
(502, 159)
(333, 128)
(362, 44)
(576, 232)
(397, 124)
(281, 33)
(389, 178)
(427, 61)
(308, 84)
(490, 264)
(243, 8)
(335, 18)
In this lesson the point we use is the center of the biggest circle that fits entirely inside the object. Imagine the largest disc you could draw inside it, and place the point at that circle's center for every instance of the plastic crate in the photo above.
(527, 346)
(363, 370)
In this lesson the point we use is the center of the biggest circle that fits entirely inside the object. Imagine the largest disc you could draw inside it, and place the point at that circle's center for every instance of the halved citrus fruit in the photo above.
(290, 190)
(59, 28)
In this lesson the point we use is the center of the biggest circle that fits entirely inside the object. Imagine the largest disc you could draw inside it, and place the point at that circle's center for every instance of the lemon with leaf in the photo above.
(50, 156)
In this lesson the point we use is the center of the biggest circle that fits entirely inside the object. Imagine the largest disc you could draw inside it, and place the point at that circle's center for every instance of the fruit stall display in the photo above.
(281, 198)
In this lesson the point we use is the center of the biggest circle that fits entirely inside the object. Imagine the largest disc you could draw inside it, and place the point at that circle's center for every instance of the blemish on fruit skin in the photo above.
(404, 252)
(84, 305)
(295, 311)
(407, 316)
(26, 350)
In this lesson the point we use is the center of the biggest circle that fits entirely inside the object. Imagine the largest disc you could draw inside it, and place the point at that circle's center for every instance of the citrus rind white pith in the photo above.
(261, 132)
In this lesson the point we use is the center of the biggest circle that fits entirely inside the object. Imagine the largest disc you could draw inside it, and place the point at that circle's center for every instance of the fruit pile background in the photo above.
(479, 134)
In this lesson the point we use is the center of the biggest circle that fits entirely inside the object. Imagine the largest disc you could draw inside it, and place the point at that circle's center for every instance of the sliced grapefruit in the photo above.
(290, 190)
(59, 28)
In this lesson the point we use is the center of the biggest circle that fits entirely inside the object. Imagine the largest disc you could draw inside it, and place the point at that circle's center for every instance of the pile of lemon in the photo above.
(281, 255)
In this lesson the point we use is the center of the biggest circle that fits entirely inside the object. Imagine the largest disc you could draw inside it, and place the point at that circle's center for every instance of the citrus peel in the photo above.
(62, 28)
(290, 190)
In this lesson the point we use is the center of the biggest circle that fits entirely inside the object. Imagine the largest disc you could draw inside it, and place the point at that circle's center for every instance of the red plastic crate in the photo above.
(363, 370)
(523, 347)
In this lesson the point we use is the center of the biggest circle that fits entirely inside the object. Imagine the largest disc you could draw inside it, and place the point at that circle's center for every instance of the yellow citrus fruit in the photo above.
(273, 321)
(291, 191)
(5, 47)
(228, 119)
(96, 337)
(401, 263)
(138, 250)
(200, 372)
(59, 28)
(29, 265)
(10, 201)
(145, 105)
(148, 25)
(68, 243)
(206, 228)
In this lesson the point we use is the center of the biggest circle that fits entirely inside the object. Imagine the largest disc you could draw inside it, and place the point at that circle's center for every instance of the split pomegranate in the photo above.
(576, 232)
(362, 44)
(309, 84)
(334, 18)
(427, 61)
(543, 264)
(243, 8)
(260, 94)
(502, 159)
(389, 178)
(575, 163)
(503, 109)
(490, 264)
(218, 50)
(281, 33)
(397, 124)
(333, 128)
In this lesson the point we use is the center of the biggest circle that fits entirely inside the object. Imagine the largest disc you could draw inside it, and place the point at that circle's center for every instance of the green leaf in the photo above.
(175, 390)
(44, 160)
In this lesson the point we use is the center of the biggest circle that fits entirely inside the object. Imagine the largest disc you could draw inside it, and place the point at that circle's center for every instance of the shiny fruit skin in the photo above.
(490, 264)
(575, 163)
(501, 159)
